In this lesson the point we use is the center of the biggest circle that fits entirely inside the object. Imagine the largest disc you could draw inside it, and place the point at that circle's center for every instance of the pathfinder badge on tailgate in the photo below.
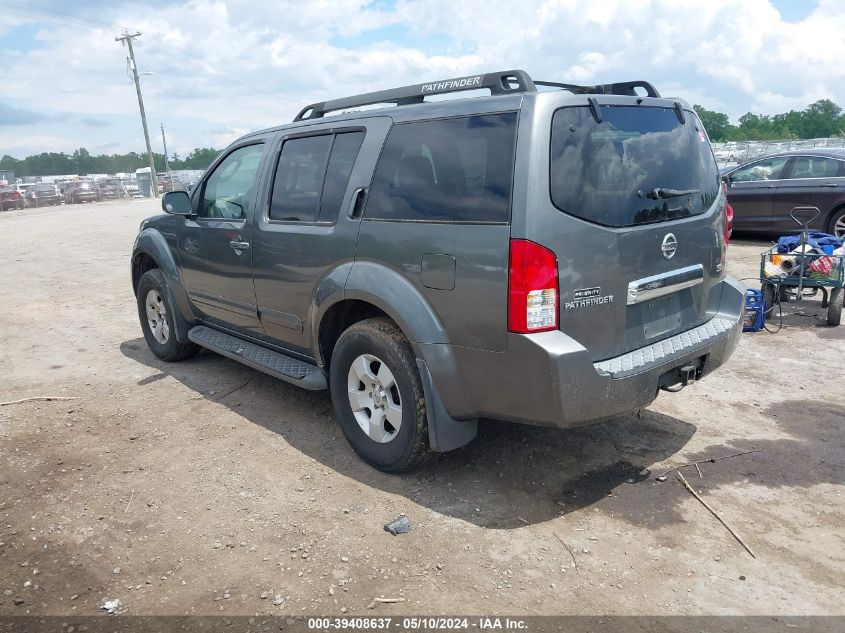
(586, 297)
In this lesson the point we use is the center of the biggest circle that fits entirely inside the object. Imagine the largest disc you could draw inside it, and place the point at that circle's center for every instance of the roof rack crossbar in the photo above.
(625, 88)
(498, 83)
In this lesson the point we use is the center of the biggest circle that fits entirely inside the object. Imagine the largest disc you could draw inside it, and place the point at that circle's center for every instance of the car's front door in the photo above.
(307, 221)
(751, 190)
(810, 181)
(215, 243)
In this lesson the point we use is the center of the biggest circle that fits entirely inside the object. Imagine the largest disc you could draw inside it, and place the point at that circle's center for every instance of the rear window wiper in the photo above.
(659, 193)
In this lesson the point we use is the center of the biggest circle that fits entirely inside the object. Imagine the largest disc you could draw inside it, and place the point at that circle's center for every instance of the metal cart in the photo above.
(800, 275)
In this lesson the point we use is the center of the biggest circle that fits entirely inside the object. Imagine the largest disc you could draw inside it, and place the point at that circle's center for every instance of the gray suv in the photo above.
(549, 254)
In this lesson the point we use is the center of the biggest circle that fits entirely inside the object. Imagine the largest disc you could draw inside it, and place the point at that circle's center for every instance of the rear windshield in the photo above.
(638, 166)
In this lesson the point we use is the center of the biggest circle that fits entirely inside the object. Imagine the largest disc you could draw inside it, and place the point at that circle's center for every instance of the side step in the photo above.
(277, 365)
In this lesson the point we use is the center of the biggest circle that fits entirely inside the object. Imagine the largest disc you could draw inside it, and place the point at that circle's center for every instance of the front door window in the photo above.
(229, 188)
(768, 169)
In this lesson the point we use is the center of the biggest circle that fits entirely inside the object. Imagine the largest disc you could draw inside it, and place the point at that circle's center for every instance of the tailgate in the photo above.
(635, 218)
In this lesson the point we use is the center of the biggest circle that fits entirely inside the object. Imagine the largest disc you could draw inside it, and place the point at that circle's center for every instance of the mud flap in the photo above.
(182, 326)
(444, 432)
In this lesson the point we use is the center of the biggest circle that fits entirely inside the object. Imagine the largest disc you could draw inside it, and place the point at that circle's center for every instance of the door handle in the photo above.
(357, 207)
(830, 186)
(239, 246)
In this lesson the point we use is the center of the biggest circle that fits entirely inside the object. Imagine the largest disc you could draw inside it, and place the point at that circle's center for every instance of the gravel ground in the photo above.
(204, 487)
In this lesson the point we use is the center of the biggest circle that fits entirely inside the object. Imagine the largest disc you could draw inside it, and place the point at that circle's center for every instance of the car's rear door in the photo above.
(814, 181)
(305, 225)
(751, 191)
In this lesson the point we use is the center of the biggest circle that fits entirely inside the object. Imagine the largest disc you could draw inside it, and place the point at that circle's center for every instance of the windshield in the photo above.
(638, 166)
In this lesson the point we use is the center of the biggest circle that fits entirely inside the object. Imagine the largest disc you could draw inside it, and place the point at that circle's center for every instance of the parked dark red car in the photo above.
(11, 198)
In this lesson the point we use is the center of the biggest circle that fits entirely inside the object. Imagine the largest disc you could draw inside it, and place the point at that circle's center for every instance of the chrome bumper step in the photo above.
(662, 351)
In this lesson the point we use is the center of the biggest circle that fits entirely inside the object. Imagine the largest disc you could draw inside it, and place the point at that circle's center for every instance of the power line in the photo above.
(164, 142)
(127, 41)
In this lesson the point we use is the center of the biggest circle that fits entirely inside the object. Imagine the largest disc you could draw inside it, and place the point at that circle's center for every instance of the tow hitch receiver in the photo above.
(688, 374)
(677, 379)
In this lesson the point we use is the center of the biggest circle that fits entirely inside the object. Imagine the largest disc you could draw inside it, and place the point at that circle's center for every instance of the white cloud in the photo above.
(225, 67)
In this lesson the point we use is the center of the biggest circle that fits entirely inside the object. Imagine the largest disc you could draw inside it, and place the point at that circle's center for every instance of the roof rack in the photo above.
(625, 88)
(498, 83)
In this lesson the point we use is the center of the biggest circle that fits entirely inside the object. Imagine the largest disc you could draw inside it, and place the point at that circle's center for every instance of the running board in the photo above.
(277, 365)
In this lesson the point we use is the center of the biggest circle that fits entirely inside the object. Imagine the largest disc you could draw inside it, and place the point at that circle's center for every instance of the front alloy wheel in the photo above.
(157, 316)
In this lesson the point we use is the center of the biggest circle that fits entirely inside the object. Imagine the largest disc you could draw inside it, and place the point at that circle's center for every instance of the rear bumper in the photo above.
(550, 379)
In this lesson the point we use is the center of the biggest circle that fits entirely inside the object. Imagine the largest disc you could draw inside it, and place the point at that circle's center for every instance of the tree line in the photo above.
(82, 163)
(821, 119)
(818, 120)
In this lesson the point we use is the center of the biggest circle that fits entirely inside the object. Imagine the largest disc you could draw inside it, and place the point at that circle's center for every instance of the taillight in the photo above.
(729, 221)
(532, 288)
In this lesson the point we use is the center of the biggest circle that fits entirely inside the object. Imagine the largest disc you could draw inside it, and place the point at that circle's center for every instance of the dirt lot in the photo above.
(199, 487)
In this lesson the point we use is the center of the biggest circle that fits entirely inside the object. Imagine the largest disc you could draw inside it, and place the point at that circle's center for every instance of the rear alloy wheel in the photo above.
(837, 224)
(374, 398)
(378, 396)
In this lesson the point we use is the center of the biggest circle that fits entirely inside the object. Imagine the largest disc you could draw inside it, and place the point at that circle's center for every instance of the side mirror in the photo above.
(177, 203)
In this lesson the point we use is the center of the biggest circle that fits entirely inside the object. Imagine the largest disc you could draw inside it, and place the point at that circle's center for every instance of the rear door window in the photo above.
(816, 167)
(312, 176)
(341, 160)
(639, 165)
(446, 170)
(299, 179)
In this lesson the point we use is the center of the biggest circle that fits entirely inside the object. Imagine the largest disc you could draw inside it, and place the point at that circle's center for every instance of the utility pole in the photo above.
(164, 142)
(127, 40)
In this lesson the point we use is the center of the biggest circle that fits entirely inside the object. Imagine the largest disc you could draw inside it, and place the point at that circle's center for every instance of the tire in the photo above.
(161, 340)
(769, 293)
(834, 306)
(836, 226)
(371, 345)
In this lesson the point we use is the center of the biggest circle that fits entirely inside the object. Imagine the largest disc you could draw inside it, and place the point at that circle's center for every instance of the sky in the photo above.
(221, 68)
